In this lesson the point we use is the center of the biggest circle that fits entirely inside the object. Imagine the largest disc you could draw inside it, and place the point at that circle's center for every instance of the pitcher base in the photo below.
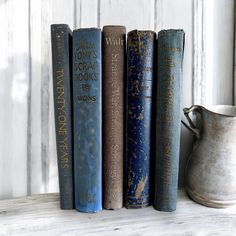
(209, 202)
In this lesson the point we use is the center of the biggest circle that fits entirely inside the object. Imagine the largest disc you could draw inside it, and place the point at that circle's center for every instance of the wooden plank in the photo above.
(35, 177)
(222, 52)
(5, 101)
(234, 94)
(158, 21)
(181, 17)
(40, 61)
(178, 14)
(5, 164)
(13, 97)
(199, 60)
(40, 215)
(44, 177)
(46, 19)
(213, 52)
(62, 12)
(134, 15)
(87, 13)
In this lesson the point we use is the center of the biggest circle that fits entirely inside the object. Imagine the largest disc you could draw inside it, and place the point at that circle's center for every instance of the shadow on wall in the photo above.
(27, 143)
(13, 123)
(186, 144)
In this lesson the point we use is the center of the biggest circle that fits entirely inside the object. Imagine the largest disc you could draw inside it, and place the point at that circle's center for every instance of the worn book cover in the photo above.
(114, 46)
(87, 101)
(168, 119)
(61, 40)
(140, 62)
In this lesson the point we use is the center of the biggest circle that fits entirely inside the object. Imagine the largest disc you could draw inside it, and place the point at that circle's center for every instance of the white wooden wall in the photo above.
(27, 143)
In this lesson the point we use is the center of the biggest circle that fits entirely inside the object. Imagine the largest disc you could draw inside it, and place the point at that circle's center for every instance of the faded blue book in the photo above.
(61, 40)
(168, 117)
(140, 62)
(87, 101)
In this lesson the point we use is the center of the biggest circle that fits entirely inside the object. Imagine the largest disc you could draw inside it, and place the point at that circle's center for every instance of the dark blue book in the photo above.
(87, 101)
(61, 40)
(140, 62)
(168, 117)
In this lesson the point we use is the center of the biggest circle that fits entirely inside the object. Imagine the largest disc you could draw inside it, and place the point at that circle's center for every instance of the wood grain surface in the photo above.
(40, 215)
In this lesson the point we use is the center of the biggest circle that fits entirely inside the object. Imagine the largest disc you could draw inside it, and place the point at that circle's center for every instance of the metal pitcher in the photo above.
(211, 168)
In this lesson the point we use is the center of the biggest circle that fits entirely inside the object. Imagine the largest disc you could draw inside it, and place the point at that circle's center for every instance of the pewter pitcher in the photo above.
(211, 169)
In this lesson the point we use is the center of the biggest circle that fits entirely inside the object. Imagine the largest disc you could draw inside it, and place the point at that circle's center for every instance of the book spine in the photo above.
(87, 101)
(168, 117)
(61, 41)
(140, 61)
(114, 38)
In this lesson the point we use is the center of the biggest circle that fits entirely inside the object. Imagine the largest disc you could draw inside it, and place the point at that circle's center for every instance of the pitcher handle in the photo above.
(191, 125)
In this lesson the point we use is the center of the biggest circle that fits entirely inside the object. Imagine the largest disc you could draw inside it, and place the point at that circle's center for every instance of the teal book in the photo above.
(87, 105)
(61, 39)
(168, 117)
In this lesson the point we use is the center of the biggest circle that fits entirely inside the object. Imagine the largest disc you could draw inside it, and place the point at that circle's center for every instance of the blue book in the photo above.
(61, 40)
(168, 117)
(87, 101)
(140, 62)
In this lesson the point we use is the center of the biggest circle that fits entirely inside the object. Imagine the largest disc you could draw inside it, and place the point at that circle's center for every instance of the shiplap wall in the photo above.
(28, 161)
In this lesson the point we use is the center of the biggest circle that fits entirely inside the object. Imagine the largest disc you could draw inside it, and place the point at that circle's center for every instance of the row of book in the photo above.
(117, 116)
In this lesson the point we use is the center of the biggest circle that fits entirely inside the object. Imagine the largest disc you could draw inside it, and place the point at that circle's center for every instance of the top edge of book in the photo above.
(87, 29)
(114, 26)
(61, 27)
(170, 31)
(141, 32)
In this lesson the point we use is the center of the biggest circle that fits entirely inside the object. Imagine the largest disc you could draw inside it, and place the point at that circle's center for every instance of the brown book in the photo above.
(114, 38)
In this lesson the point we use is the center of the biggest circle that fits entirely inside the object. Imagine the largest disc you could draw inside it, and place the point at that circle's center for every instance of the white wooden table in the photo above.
(40, 215)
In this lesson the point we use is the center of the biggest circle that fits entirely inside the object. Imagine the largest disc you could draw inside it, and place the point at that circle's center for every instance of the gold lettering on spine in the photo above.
(61, 106)
(114, 41)
(86, 66)
(116, 105)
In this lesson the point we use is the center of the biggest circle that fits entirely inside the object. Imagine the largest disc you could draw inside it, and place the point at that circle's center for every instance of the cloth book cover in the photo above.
(114, 46)
(61, 41)
(140, 62)
(168, 117)
(87, 101)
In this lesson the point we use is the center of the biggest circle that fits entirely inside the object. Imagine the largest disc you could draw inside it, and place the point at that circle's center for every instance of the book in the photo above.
(114, 46)
(87, 104)
(140, 62)
(168, 117)
(61, 41)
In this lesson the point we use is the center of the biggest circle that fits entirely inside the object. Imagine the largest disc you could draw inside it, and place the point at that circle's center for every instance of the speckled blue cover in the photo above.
(168, 118)
(87, 88)
(140, 61)
(61, 62)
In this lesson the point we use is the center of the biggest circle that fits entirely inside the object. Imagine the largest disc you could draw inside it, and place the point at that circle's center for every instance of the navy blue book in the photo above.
(168, 117)
(61, 40)
(87, 101)
(140, 61)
